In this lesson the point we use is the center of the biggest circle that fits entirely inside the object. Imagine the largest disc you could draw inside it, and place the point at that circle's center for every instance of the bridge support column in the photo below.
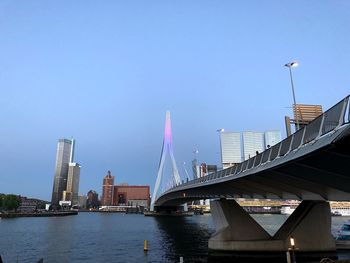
(179, 210)
(309, 225)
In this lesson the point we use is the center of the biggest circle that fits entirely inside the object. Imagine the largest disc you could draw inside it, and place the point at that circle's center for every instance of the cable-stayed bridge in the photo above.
(312, 165)
(166, 178)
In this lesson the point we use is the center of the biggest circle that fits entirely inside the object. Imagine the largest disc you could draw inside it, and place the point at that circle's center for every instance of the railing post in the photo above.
(279, 150)
(234, 172)
(321, 127)
(290, 145)
(268, 159)
(253, 162)
(342, 115)
(302, 137)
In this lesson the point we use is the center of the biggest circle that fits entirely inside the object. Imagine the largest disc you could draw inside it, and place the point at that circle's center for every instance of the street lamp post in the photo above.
(291, 65)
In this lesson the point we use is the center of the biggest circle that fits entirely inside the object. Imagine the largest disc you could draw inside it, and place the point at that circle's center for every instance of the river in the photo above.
(103, 237)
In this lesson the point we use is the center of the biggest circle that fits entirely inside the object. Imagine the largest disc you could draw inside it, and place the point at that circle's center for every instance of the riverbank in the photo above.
(38, 214)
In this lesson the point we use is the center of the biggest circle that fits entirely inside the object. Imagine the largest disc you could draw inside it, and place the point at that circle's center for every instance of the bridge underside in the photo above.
(309, 225)
(322, 174)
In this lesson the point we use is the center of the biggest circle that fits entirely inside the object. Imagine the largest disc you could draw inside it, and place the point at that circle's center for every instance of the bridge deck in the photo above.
(311, 164)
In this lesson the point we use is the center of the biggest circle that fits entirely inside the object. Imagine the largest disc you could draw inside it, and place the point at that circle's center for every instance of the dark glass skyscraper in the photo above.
(64, 155)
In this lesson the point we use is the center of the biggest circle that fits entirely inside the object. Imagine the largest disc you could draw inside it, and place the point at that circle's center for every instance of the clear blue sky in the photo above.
(105, 72)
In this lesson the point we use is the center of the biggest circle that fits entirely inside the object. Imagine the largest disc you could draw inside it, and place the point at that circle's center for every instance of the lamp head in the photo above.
(293, 64)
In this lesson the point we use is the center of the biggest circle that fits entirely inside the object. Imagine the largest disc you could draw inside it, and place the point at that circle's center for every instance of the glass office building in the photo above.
(253, 143)
(64, 155)
(272, 138)
(230, 148)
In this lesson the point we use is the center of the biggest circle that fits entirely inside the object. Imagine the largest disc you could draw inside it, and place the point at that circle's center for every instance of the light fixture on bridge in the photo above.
(291, 65)
(292, 241)
(292, 244)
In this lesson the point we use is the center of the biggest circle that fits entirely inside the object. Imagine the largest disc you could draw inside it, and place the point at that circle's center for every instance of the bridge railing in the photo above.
(327, 122)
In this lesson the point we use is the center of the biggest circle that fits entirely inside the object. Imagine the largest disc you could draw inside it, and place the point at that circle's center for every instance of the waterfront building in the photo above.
(73, 182)
(203, 169)
(230, 148)
(272, 138)
(92, 200)
(253, 143)
(107, 189)
(82, 201)
(195, 169)
(64, 155)
(232, 145)
(131, 195)
(29, 204)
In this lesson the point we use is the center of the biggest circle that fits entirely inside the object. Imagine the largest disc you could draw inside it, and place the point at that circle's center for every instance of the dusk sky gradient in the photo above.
(105, 72)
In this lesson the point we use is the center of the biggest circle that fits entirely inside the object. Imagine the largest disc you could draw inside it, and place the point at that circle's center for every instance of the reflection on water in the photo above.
(186, 237)
(101, 237)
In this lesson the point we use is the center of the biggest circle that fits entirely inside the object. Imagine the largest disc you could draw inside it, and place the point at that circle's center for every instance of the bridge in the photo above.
(311, 165)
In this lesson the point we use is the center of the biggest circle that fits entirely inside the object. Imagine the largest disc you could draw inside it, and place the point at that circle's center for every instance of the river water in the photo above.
(103, 237)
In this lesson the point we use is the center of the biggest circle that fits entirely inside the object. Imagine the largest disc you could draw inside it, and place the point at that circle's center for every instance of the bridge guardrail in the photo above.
(286, 144)
(266, 155)
(329, 121)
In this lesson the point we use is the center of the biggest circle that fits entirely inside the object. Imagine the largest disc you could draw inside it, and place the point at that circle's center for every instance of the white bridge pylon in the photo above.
(167, 149)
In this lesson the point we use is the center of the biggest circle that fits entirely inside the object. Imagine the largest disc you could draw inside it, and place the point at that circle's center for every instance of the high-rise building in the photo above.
(230, 148)
(272, 138)
(203, 169)
(195, 169)
(64, 155)
(92, 200)
(253, 143)
(73, 182)
(107, 189)
(82, 201)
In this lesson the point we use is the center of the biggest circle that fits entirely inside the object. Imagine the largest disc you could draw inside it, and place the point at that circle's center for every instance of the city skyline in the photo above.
(107, 79)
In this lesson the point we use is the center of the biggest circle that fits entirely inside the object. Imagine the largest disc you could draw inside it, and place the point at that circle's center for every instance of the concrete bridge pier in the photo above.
(237, 231)
(176, 210)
